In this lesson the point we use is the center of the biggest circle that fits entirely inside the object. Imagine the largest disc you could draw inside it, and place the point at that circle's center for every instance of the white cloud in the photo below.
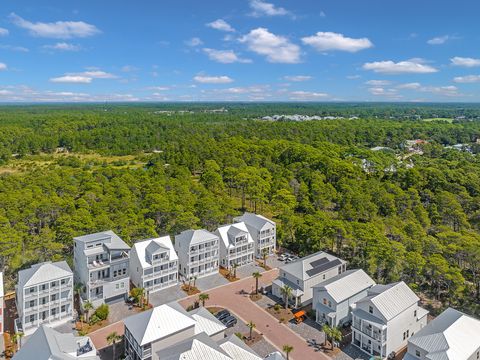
(353, 77)
(412, 66)
(276, 48)
(441, 90)
(63, 46)
(14, 48)
(4, 32)
(322, 14)
(465, 61)
(467, 79)
(56, 30)
(262, 8)
(225, 56)
(129, 68)
(380, 91)
(378, 82)
(96, 74)
(307, 95)
(330, 41)
(72, 79)
(410, 86)
(297, 78)
(193, 42)
(159, 88)
(440, 40)
(221, 25)
(205, 79)
(3, 66)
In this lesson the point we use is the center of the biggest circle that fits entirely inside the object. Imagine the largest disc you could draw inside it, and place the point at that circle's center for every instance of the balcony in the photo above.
(370, 331)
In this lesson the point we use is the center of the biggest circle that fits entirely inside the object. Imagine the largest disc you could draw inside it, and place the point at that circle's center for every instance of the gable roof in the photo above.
(232, 229)
(158, 323)
(311, 265)
(200, 346)
(114, 242)
(206, 322)
(274, 356)
(43, 272)
(237, 349)
(254, 220)
(452, 335)
(192, 237)
(49, 344)
(346, 284)
(152, 245)
(391, 300)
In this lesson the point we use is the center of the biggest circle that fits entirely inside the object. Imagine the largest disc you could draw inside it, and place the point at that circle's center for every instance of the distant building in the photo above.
(198, 253)
(102, 266)
(386, 318)
(152, 331)
(263, 232)
(44, 295)
(305, 273)
(49, 344)
(333, 298)
(154, 264)
(451, 336)
(2, 304)
(236, 245)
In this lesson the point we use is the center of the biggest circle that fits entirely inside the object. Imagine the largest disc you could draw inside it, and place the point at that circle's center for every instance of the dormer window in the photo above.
(370, 309)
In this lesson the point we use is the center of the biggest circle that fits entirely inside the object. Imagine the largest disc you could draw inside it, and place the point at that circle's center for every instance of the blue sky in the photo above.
(242, 50)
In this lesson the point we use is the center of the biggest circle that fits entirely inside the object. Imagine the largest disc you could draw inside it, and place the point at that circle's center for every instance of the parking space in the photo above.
(247, 270)
(210, 282)
(167, 295)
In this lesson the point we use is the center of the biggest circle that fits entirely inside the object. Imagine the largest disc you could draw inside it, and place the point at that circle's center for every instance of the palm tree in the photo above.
(332, 334)
(17, 340)
(287, 292)
(203, 297)
(256, 275)
(195, 281)
(264, 255)
(78, 289)
(234, 267)
(87, 306)
(251, 325)
(287, 349)
(112, 339)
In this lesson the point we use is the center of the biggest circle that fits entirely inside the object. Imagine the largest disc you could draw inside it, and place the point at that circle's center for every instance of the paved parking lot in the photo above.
(167, 295)
(210, 282)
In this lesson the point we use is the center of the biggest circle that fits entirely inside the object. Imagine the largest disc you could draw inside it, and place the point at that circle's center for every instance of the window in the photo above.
(31, 290)
(32, 318)
(64, 308)
(415, 313)
(63, 282)
(53, 284)
(324, 301)
(54, 311)
(404, 335)
(329, 304)
(32, 303)
(117, 286)
(417, 353)
(408, 333)
(370, 309)
(323, 276)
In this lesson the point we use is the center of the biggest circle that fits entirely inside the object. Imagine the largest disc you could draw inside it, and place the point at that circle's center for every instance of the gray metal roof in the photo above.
(200, 346)
(390, 300)
(346, 284)
(254, 220)
(452, 335)
(274, 356)
(206, 322)
(192, 237)
(226, 231)
(237, 349)
(43, 272)
(312, 265)
(112, 240)
(49, 344)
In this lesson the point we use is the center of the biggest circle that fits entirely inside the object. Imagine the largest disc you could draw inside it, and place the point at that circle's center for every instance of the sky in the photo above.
(239, 50)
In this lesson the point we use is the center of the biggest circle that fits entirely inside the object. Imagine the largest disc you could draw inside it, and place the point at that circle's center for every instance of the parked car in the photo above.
(222, 314)
(230, 321)
(283, 257)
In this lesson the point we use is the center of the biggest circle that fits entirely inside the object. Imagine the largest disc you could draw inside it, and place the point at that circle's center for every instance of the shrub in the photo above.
(240, 335)
(276, 307)
(94, 319)
(102, 312)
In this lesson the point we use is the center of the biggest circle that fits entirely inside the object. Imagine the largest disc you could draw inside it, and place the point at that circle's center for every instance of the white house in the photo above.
(199, 347)
(154, 264)
(386, 318)
(44, 295)
(451, 336)
(2, 304)
(150, 331)
(263, 232)
(102, 266)
(305, 273)
(236, 245)
(333, 298)
(198, 253)
(237, 349)
(49, 344)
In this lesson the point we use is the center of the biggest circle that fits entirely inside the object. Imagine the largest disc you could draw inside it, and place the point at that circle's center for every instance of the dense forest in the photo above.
(400, 215)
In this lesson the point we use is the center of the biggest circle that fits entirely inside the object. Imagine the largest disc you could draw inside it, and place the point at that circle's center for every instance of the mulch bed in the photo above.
(327, 349)
(255, 297)
(192, 290)
(283, 315)
(227, 274)
(256, 337)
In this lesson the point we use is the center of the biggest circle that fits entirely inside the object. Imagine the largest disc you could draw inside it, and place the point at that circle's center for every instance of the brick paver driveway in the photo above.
(229, 296)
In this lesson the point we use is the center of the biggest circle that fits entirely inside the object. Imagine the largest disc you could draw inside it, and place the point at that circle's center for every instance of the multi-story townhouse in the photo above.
(1, 304)
(333, 298)
(386, 318)
(237, 349)
(236, 245)
(198, 253)
(305, 273)
(47, 343)
(451, 336)
(153, 330)
(154, 264)
(101, 266)
(44, 295)
(263, 232)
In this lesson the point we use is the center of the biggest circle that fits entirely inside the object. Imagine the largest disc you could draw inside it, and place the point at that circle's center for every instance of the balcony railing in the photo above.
(372, 332)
